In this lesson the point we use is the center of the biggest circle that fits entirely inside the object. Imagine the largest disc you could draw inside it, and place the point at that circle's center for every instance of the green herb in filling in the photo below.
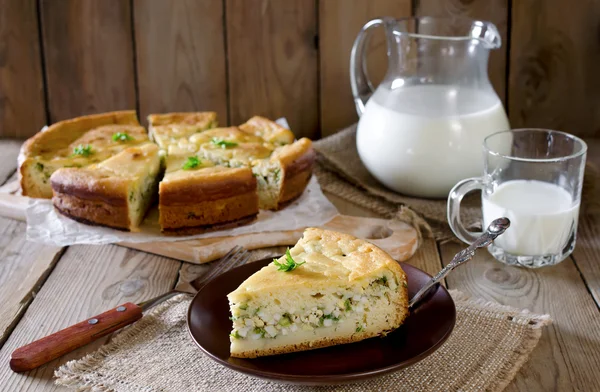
(289, 264)
(404, 284)
(243, 306)
(256, 311)
(284, 321)
(235, 335)
(191, 163)
(260, 331)
(217, 141)
(84, 151)
(232, 318)
(382, 281)
(347, 304)
(121, 137)
(331, 317)
(39, 166)
(327, 317)
(359, 329)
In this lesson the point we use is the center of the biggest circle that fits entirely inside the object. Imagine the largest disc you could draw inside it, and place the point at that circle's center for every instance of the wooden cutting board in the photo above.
(397, 238)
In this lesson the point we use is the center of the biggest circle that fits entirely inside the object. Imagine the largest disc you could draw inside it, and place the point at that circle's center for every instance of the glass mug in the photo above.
(533, 177)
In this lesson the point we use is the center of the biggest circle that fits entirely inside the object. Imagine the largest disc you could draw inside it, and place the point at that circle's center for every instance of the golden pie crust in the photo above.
(240, 170)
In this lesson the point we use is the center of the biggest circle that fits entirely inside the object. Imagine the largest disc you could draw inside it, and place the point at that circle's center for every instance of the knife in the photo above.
(46, 349)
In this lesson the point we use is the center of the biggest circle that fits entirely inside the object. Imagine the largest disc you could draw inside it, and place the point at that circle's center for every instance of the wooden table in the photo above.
(46, 288)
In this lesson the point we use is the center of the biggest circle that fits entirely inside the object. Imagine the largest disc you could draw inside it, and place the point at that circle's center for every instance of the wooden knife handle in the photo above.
(62, 342)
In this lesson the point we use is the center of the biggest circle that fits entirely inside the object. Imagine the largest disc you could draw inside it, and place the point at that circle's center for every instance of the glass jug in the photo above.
(421, 131)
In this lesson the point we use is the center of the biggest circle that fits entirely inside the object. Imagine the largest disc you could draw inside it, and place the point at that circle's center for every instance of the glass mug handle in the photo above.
(362, 88)
(454, 199)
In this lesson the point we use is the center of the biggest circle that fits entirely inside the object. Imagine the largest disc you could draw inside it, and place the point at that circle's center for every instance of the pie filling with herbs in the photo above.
(206, 177)
(330, 288)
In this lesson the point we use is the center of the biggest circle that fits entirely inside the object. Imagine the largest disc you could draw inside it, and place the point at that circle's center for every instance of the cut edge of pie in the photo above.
(206, 197)
(35, 170)
(284, 176)
(257, 148)
(115, 193)
(342, 290)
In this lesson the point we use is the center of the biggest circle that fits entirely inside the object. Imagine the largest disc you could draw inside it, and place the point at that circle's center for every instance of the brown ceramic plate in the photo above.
(423, 332)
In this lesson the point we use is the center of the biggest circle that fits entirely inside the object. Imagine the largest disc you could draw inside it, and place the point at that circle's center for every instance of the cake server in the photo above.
(496, 228)
(46, 349)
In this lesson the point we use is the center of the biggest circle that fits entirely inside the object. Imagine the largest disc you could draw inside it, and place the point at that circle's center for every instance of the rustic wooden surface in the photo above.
(180, 57)
(338, 26)
(61, 59)
(554, 56)
(57, 288)
(86, 281)
(88, 55)
(22, 104)
(23, 270)
(272, 62)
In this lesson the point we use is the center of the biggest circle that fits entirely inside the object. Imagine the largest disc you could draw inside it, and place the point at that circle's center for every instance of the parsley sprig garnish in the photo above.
(191, 163)
(84, 151)
(289, 264)
(222, 143)
(121, 137)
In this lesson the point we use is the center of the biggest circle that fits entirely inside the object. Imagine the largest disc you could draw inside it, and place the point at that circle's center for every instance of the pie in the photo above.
(206, 196)
(168, 128)
(116, 192)
(213, 177)
(78, 142)
(223, 176)
(330, 288)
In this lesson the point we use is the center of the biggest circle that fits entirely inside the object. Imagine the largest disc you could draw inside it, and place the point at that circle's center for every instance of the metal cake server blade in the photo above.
(496, 228)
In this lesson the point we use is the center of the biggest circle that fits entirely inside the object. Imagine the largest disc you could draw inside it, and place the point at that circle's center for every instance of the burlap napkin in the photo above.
(341, 172)
(489, 344)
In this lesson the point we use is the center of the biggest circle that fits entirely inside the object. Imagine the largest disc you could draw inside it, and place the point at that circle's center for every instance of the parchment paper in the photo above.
(46, 225)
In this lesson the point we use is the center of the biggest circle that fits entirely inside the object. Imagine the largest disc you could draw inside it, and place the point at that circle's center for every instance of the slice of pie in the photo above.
(196, 195)
(268, 130)
(116, 192)
(231, 147)
(77, 142)
(285, 174)
(168, 128)
(260, 148)
(330, 288)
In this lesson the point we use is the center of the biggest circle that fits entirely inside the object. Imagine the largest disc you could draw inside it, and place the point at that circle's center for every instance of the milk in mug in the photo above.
(543, 216)
(421, 140)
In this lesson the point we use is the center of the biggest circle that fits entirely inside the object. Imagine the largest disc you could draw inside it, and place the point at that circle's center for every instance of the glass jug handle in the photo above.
(362, 88)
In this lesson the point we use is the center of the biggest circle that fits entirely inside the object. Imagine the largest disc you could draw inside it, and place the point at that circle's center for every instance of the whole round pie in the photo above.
(104, 169)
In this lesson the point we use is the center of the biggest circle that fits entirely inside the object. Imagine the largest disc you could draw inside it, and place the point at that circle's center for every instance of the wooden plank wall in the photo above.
(64, 58)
